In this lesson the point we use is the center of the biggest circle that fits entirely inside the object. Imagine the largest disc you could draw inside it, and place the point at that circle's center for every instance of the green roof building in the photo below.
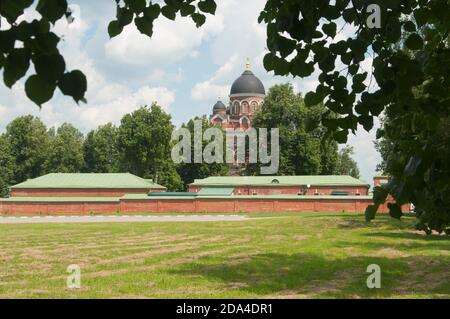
(85, 184)
(276, 185)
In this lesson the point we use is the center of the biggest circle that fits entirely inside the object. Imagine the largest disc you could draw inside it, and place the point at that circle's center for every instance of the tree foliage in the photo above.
(65, 154)
(346, 164)
(303, 151)
(298, 47)
(29, 144)
(101, 151)
(191, 171)
(6, 166)
(145, 144)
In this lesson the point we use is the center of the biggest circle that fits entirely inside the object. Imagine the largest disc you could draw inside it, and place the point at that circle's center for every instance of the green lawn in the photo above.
(301, 256)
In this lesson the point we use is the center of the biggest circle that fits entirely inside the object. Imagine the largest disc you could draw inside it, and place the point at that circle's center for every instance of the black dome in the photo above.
(247, 83)
(219, 106)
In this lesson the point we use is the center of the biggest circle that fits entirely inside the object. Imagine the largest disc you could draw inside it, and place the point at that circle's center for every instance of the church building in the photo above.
(246, 97)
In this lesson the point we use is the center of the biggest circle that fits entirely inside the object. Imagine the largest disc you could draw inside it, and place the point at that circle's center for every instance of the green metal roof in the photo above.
(313, 180)
(216, 191)
(88, 180)
(171, 194)
(59, 199)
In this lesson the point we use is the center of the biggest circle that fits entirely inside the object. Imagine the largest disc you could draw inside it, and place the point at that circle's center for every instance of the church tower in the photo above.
(246, 98)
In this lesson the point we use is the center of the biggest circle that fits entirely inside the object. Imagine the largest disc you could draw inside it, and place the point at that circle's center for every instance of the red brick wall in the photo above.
(30, 208)
(207, 205)
(79, 192)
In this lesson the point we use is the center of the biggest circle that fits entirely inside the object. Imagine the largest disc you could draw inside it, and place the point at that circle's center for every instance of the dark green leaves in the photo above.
(207, 6)
(329, 29)
(199, 19)
(414, 42)
(379, 195)
(144, 25)
(169, 12)
(52, 10)
(341, 136)
(124, 16)
(74, 84)
(370, 212)
(114, 28)
(12, 9)
(16, 65)
(49, 67)
(38, 89)
(395, 210)
(312, 98)
(137, 6)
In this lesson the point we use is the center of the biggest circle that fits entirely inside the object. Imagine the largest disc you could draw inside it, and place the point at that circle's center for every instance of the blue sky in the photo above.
(182, 68)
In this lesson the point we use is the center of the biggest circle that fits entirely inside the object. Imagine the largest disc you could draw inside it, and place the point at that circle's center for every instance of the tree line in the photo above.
(142, 145)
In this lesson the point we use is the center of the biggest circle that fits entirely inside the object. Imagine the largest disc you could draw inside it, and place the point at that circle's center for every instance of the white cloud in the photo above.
(171, 41)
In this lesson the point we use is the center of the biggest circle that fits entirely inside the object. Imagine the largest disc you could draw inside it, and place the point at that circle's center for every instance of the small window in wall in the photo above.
(236, 107)
(275, 181)
(254, 106)
(245, 107)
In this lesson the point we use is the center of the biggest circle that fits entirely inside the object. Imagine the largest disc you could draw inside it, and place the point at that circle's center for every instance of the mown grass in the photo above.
(316, 255)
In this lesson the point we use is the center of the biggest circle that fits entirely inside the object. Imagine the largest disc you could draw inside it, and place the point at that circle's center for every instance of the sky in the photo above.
(182, 68)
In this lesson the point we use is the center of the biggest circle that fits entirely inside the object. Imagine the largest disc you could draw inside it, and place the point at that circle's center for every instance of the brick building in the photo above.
(284, 185)
(126, 193)
(85, 185)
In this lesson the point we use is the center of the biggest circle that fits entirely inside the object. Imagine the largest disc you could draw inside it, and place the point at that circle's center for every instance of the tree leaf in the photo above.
(395, 210)
(16, 65)
(208, 6)
(311, 99)
(52, 10)
(124, 16)
(49, 67)
(329, 29)
(114, 28)
(198, 18)
(370, 212)
(73, 84)
(414, 42)
(168, 12)
(379, 195)
(12, 9)
(137, 6)
(38, 89)
(341, 136)
(144, 25)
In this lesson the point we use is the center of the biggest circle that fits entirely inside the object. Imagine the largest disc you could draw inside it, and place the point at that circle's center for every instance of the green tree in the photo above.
(302, 151)
(100, 148)
(145, 145)
(191, 171)
(66, 150)
(6, 166)
(346, 164)
(29, 144)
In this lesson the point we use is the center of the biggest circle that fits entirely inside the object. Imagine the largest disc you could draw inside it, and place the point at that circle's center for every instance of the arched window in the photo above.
(275, 181)
(245, 107)
(254, 106)
(236, 107)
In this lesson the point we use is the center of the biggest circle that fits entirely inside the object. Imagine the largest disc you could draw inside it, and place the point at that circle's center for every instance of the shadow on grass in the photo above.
(309, 275)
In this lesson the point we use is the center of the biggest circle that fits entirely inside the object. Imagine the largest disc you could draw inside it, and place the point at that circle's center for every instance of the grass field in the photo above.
(300, 256)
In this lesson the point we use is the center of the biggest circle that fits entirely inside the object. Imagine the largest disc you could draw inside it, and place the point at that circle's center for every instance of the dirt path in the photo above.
(124, 219)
